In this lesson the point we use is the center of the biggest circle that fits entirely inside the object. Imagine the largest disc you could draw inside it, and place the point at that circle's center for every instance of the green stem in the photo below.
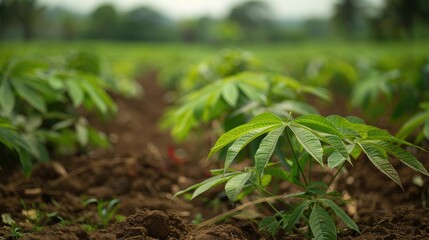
(310, 170)
(336, 174)
(296, 159)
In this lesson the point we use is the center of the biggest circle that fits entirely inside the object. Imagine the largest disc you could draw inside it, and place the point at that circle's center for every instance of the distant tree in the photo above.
(144, 23)
(103, 22)
(25, 13)
(254, 17)
(399, 18)
(350, 17)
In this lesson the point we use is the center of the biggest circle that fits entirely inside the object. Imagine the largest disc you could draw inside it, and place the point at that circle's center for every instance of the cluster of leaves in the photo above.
(305, 141)
(401, 84)
(229, 91)
(44, 103)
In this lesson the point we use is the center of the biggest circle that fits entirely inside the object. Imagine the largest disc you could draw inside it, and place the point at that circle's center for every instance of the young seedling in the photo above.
(15, 231)
(106, 210)
(310, 139)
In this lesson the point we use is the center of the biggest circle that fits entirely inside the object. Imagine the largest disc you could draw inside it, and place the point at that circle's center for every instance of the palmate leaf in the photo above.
(261, 121)
(242, 141)
(234, 186)
(341, 214)
(378, 157)
(321, 224)
(317, 123)
(309, 142)
(295, 215)
(340, 153)
(207, 184)
(266, 149)
(270, 224)
(402, 155)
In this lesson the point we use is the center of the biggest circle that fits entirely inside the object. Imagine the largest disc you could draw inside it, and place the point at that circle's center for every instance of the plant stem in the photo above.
(336, 174)
(296, 159)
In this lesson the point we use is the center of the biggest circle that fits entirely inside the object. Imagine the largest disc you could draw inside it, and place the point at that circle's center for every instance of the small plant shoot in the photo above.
(308, 140)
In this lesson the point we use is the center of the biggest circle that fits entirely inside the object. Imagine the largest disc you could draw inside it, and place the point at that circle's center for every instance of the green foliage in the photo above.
(45, 101)
(106, 210)
(419, 121)
(310, 139)
(240, 96)
(15, 231)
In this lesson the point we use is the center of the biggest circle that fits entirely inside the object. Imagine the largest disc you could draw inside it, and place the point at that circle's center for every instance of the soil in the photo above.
(144, 168)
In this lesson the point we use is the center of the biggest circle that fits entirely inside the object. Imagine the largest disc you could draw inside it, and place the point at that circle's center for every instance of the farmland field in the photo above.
(386, 85)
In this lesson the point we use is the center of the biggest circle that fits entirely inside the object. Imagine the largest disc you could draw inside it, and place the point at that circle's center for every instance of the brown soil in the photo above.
(144, 168)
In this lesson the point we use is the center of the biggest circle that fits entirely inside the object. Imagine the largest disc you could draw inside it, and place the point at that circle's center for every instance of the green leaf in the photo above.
(309, 141)
(335, 159)
(317, 123)
(234, 186)
(298, 107)
(75, 92)
(266, 149)
(321, 224)
(378, 157)
(230, 93)
(412, 124)
(340, 154)
(30, 96)
(269, 224)
(242, 141)
(341, 214)
(209, 183)
(37, 147)
(295, 215)
(81, 134)
(25, 160)
(7, 99)
(260, 121)
(402, 155)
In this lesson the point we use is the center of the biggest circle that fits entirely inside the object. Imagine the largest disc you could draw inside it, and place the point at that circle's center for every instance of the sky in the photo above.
(176, 9)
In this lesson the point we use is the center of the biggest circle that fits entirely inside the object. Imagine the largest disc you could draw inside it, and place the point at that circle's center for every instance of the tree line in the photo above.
(250, 21)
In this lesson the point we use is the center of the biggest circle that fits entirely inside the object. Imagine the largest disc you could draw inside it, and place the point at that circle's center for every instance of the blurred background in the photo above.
(214, 22)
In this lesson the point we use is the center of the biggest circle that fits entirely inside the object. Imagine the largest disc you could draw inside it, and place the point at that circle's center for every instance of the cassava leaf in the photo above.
(379, 159)
(340, 154)
(209, 183)
(230, 94)
(30, 95)
(75, 92)
(402, 155)
(412, 124)
(266, 149)
(309, 142)
(295, 215)
(317, 123)
(234, 186)
(321, 224)
(270, 224)
(341, 214)
(260, 121)
(242, 141)
(7, 99)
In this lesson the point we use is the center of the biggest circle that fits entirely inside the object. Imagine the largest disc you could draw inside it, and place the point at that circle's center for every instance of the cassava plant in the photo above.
(44, 103)
(236, 99)
(331, 142)
(231, 88)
